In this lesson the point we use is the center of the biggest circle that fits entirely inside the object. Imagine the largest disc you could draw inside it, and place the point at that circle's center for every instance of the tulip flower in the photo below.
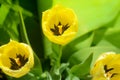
(16, 59)
(59, 24)
(107, 67)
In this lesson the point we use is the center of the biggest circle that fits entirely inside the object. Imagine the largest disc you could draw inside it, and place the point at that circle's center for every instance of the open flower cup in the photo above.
(59, 24)
(16, 59)
(107, 67)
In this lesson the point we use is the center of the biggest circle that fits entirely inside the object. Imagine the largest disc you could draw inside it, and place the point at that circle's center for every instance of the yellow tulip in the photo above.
(107, 67)
(59, 24)
(16, 59)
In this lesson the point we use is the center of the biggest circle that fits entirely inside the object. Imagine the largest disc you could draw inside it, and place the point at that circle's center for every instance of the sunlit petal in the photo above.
(59, 24)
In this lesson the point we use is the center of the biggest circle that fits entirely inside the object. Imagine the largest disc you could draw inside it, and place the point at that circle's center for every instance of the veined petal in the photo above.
(59, 24)
(16, 59)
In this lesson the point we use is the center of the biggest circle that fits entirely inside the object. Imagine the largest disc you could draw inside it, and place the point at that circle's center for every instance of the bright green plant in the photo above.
(95, 30)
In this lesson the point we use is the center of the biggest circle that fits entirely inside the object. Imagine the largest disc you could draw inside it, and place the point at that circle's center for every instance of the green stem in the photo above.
(60, 55)
(24, 36)
(56, 56)
(26, 40)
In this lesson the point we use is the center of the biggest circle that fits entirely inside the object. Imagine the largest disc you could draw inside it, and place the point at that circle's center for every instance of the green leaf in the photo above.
(102, 47)
(80, 56)
(57, 72)
(99, 34)
(46, 76)
(72, 77)
(10, 24)
(77, 44)
(114, 38)
(6, 1)
(113, 34)
(37, 69)
(92, 14)
(63, 67)
(83, 68)
(4, 10)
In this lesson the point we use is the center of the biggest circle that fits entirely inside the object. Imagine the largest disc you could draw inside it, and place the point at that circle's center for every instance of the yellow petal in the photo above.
(16, 53)
(117, 77)
(97, 69)
(99, 78)
(59, 24)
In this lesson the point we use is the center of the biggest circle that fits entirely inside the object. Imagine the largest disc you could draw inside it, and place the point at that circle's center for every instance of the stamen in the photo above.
(109, 74)
(59, 29)
(65, 27)
(55, 30)
(59, 24)
(113, 75)
(107, 70)
(18, 62)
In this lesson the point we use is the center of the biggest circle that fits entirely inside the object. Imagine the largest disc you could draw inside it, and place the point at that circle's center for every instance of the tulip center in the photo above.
(109, 74)
(18, 62)
(59, 29)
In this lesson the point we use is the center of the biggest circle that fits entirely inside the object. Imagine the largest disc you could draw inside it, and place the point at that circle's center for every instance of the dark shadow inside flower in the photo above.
(18, 62)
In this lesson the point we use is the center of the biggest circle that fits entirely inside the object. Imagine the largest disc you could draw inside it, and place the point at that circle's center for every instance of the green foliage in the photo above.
(4, 9)
(82, 69)
(5, 37)
(99, 32)
(92, 14)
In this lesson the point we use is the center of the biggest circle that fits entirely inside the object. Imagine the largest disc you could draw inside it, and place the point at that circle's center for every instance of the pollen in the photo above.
(60, 29)
(17, 60)
(108, 75)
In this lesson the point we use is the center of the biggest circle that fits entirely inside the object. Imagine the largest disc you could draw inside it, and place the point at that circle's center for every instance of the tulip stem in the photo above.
(25, 37)
(56, 62)
(60, 55)
(56, 56)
